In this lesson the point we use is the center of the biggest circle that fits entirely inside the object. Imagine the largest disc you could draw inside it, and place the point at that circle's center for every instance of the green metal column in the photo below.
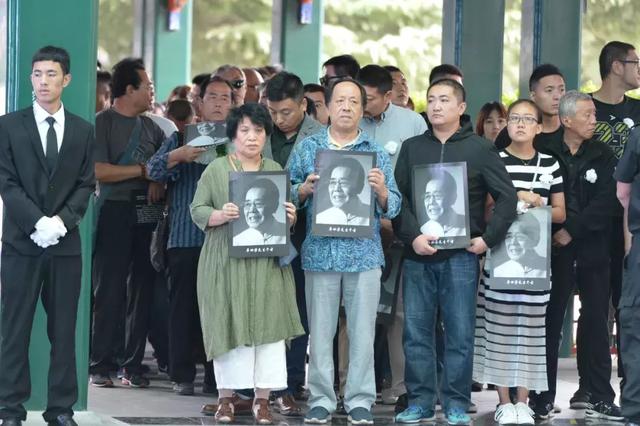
(172, 58)
(297, 46)
(73, 25)
(551, 33)
(472, 39)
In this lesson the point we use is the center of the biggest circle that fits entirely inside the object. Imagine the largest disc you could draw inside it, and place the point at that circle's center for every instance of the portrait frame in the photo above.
(241, 233)
(452, 227)
(502, 276)
(206, 134)
(324, 209)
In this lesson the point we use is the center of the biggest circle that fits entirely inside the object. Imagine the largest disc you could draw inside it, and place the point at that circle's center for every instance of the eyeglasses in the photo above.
(631, 61)
(236, 84)
(526, 119)
(326, 79)
(248, 205)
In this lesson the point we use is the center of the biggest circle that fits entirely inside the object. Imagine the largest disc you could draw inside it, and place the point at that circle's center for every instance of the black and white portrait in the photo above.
(343, 199)
(206, 134)
(440, 201)
(522, 260)
(262, 228)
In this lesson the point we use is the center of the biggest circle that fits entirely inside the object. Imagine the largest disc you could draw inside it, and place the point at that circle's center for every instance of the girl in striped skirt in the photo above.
(510, 324)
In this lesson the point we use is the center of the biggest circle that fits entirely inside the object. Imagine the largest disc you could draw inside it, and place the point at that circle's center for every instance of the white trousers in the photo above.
(252, 367)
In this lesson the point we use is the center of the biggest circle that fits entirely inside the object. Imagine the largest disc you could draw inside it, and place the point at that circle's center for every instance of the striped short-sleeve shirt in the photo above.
(541, 174)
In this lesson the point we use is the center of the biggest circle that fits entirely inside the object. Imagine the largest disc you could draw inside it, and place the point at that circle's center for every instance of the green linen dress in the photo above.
(242, 302)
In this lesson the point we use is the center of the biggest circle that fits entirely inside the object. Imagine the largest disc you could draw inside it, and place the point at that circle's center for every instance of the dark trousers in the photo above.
(56, 281)
(185, 333)
(617, 257)
(592, 279)
(121, 271)
(159, 320)
(629, 336)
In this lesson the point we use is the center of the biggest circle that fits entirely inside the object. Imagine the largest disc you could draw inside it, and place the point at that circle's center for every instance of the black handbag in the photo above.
(158, 245)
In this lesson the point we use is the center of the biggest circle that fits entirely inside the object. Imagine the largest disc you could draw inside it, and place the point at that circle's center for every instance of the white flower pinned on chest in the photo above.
(391, 147)
(546, 179)
(629, 122)
(591, 176)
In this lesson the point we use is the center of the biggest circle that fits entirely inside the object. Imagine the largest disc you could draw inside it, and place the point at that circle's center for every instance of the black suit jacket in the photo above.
(28, 191)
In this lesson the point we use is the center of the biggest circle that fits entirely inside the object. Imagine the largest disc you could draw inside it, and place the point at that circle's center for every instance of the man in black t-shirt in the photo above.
(616, 114)
(122, 273)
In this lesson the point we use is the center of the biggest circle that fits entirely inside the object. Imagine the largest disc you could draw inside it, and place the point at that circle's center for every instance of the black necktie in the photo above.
(52, 145)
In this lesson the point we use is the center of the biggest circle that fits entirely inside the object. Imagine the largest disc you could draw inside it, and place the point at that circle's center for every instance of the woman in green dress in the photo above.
(247, 306)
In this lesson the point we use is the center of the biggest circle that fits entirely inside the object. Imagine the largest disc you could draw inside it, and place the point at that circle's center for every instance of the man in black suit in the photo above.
(46, 178)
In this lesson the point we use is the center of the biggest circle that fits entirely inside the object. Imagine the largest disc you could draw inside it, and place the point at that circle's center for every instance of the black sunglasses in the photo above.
(237, 84)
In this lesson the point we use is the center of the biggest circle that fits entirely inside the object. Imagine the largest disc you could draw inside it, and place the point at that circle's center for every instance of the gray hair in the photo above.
(568, 103)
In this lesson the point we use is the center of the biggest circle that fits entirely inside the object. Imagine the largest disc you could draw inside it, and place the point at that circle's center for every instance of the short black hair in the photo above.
(198, 79)
(542, 71)
(345, 65)
(611, 52)
(271, 194)
(441, 71)
(257, 113)
(311, 108)
(103, 77)
(285, 85)
(215, 79)
(329, 92)
(125, 73)
(376, 76)
(458, 89)
(55, 54)
(180, 110)
(313, 88)
(392, 68)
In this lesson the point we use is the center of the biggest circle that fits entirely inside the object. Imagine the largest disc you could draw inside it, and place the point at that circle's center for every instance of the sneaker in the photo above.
(135, 381)
(473, 408)
(542, 411)
(525, 414)
(506, 414)
(604, 410)
(415, 414)
(401, 404)
(580, 400)
(360, 416)
(101, 381)
(457, 416)
(185, 388)
(318, 416)
(287, 406)
(300, 393)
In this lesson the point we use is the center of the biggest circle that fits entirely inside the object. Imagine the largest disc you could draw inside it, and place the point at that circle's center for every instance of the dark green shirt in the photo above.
(281, 146)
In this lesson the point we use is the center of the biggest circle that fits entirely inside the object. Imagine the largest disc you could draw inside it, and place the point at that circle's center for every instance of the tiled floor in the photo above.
(158, 405)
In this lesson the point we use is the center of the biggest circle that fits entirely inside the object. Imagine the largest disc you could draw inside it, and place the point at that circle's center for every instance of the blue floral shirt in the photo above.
(336, 254)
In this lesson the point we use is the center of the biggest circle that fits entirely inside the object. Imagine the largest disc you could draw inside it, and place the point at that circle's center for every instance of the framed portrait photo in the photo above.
(441, 203)
(262, 229)
(343, 204)
(523, 260)
(206, 134)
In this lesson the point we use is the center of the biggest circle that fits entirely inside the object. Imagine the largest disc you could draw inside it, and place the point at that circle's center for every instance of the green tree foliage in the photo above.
(115, 31)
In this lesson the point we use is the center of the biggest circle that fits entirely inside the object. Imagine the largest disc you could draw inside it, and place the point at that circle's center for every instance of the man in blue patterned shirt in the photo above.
(174, 164)
(347, 266)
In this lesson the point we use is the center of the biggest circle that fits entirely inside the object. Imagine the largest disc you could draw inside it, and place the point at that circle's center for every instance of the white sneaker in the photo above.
(525, 414)
(506, 414)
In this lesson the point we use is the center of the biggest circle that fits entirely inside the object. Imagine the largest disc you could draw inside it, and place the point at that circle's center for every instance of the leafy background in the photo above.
(404, 33)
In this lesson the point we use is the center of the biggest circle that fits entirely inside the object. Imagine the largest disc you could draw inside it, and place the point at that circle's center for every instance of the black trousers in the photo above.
(617, 257)
(185, 332)
(594, 360)
(629, 336)
(56, 281)
(121, 271)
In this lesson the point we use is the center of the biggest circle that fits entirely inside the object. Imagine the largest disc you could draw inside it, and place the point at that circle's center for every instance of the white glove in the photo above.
(49, 230)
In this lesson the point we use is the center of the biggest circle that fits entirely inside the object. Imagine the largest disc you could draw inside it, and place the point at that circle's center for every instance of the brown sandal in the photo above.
(224, 413)
(261, 412)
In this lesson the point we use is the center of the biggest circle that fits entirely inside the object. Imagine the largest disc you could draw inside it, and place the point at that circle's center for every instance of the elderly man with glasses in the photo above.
(236, 78)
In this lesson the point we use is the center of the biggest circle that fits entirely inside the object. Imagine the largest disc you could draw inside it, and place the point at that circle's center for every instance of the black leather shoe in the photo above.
(11, 422)
(63, 420)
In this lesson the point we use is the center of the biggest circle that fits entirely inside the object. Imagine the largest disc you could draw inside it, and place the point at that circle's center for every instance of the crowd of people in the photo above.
(253, 321)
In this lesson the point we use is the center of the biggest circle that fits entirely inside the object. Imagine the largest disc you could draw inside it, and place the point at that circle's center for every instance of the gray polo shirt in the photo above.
(396, 125)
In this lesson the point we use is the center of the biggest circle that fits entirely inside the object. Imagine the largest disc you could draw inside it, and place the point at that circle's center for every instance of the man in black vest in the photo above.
(46, 178)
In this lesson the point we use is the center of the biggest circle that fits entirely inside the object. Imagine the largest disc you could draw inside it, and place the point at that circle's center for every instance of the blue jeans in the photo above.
(449, 286)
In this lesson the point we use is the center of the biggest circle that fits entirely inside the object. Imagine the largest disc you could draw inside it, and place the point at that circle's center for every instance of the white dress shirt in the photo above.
(41, 116)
